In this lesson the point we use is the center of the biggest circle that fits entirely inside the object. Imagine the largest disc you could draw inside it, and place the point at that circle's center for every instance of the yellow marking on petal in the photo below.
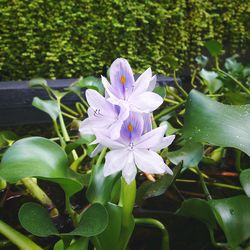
(123, 79)
(130, 127)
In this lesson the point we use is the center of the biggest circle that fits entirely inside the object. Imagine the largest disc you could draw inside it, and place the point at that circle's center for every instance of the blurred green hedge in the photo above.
(58, 39)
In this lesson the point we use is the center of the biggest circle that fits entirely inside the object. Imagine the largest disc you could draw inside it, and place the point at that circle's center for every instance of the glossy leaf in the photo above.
(233, 216)
(35, 219)
(93, 221)
(209, 121)
(190, 155)
(110, 236)
(198, 209)
(245, 181)
(211, 79)
(39, 157)
(90, 82)
(151, 189)
(38, 83)
(214, 47)
(48, 106)
(100, 187)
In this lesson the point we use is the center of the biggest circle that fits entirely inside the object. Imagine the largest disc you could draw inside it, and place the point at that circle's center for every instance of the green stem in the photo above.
(71, 212)
(203, 184)
(69, 109)
(101, 156)
(179, 86)
(20, 240)
(172, 93)
(40, 195)
(62, 142)
(214, 242)
(193, 78)
(236, 81)
(238, 160)
(157, 224)
(76, 163)
(69, 116)
(169, 110)
(170, 101)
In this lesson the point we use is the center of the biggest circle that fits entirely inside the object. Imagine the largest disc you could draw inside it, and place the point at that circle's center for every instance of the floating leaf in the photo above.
(190, 155)
(233, 216)
(93, 221)
(212, 122)
(210, 78)
(38, 83)
(48, 106)
(245, 181)
(39, 157)
(214, 47)
(35, 219)
(151, 189)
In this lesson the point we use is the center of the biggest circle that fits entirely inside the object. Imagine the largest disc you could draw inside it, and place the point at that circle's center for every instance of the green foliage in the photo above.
(77, 38)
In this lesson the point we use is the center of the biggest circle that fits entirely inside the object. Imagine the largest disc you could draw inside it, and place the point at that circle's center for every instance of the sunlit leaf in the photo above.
(190, 155)
(48, 106)
(214, 47)
(212, 122)
(39, 157)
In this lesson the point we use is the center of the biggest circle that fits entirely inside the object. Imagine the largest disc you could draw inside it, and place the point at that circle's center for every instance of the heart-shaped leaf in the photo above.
(90, 82)
(223, 125)
(151, 189)
(214, 47)
(48, 106)
(100, 187)
(245, 181)
(233, 216)
(35, 219)
(39, 157)
(93, 221)
(190, 155)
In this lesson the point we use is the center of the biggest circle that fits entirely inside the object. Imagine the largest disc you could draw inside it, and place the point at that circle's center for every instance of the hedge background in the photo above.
(72, 38)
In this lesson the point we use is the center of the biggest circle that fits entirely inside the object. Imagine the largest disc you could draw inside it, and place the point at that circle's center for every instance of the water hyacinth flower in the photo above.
(125, 91)
(135, 149)
(103, 115)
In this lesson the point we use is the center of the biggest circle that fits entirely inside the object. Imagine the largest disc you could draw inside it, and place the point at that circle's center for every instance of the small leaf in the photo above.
(233, 66)
(93, 221)
(39, 157)
(48, 106)
(151, 189)
(245, 181)
(59, 245)
(38, 83)
(212, 122)
(100, 187)
(90, 82)
(190, 155)
(160, 90)
(214, 47)
(35, 219)
(202, 60)
(210, 78)
(233, 216)
(81, 243)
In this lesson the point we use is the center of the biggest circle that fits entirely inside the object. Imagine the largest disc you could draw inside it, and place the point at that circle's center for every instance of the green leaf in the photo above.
(38, 83)
(212, 122)
(151, 189)
(233, 66)
(245, 181)
(35, 219)
(100, 187)
(190, 155)
(7, 138)
(198, 209)
(160, 90)
(81, 243)
(110, 236)
(48, 106)
(93, 221)
(210, 78)
(39, 157)
(90, 82)
(214, 47)
(59, 245)
(202, 60)
(233, 216)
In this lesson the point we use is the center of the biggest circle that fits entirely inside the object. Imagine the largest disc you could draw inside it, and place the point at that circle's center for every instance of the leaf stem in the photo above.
(159, 225)
(20, 240)
(101, 156)
(203, 184)
(179, 86)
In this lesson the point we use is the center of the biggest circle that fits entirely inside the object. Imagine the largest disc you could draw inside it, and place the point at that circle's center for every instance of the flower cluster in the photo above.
(122, 122)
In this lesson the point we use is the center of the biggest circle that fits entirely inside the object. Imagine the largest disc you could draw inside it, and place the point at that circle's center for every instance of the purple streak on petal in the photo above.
(132, 127)
(147, 122)
(122, 79)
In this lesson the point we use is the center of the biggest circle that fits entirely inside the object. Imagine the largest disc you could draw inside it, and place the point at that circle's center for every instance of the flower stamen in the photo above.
(123, 79)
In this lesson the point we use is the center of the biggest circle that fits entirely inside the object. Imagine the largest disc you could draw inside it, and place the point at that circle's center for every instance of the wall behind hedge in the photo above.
(58, 39)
